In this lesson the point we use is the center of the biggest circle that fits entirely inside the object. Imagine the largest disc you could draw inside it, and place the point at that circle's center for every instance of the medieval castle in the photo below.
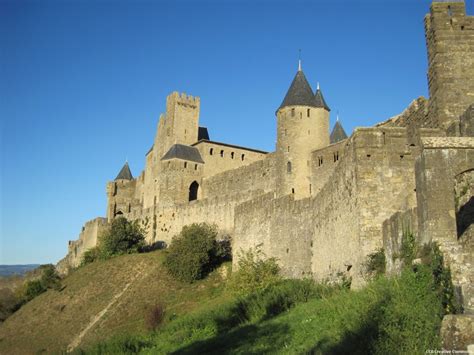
(321, 202)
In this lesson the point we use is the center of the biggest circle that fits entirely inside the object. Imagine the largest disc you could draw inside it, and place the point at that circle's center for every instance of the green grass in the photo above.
(49, 322)
(389, 316)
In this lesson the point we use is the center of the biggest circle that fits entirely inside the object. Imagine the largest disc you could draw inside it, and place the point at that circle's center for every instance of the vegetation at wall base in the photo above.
(398, 315)
(121, 237)
(195, 252)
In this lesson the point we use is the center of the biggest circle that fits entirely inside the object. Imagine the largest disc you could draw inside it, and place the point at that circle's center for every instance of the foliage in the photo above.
(254, 272)
(443, 285)
(50, 278)
(154, 316)
(90, 255)
(399, 315)
(9, 303)
(195, 252)
(33, 289)
(375, 264)
(408, 248)
(122, 237)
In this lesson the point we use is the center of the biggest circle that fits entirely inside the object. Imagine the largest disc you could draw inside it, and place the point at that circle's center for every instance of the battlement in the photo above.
(183, 99)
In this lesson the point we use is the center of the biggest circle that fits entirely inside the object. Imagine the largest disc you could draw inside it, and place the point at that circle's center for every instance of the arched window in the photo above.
(243, 157)
(292, 112)
(309, 112)
(222, 153)
(211, 151)
(193, 191)
(232, 155)
(288, 167)
(185, 164)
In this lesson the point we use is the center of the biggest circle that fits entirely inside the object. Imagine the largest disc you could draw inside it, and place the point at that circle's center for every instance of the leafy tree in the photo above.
(195, 252)
(122, 237)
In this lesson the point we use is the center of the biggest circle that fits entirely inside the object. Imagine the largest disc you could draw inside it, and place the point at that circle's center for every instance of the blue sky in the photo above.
(83, 83)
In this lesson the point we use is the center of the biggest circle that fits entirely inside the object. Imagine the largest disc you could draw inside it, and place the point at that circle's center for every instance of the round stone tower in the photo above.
(302, 126)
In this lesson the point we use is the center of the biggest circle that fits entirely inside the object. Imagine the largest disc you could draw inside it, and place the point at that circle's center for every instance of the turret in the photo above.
(303, 126)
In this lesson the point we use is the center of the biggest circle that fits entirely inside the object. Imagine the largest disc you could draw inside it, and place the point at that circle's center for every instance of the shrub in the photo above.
(90, 256)
(154, 317)
(194, 252)
(254, 272)
(408, 248)
(443, 285)
(50, 278)
(122, 237)
(375, 264)
(33, 289)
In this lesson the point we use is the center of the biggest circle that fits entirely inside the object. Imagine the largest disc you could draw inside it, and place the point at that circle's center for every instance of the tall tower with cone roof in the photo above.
(302, 126)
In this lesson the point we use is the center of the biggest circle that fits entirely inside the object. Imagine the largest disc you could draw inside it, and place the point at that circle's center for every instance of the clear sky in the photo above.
(82, 84)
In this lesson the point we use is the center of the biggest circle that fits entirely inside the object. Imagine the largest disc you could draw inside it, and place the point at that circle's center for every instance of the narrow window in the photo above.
(288, 148)
(310, 189)
(292, 112)
(286, 132)
(293, 191)
(193, 191)
(222, 153)
(309, 132)
(185, 164)
(308, 113)
(243, 157)
(211, 151)
(232, 155)
(195, 166)
(185, 131)
(288, 167)
(287, 250)
(129, 208)
(462, 28)
(301, 114)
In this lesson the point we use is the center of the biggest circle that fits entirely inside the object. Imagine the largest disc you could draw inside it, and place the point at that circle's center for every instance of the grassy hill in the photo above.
(124, 287)
(102, 307)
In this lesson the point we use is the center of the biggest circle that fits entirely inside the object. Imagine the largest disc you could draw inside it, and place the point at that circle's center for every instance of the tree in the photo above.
(122, 237)
(195, 252)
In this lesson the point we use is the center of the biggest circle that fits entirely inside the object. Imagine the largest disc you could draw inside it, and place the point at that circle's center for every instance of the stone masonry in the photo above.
(320, 205)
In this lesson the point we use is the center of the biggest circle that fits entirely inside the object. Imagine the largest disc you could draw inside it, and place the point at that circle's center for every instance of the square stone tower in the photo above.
(450, 43)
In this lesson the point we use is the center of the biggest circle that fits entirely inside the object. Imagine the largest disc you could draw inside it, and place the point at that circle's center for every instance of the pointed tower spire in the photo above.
(319, 99)
(299, 60)
(338, 133)
(299, 93)
(125, 173)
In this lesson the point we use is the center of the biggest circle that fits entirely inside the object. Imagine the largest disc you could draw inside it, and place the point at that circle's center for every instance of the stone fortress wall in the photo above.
(319, 205)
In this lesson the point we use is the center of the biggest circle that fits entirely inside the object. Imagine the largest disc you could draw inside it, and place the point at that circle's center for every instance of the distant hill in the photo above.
(8, 270)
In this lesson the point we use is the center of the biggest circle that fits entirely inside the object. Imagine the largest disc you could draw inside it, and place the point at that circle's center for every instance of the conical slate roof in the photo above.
(299, 93)
(319, 98)
(184, 152)
(125, 173)
(338, 134)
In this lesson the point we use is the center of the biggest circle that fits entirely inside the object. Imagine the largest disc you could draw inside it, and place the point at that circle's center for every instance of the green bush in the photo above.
(254, 272)
(90, 255)
(195, 252)
(375, 264)
(122, 237)
(408, 248)
(50, 278)
(33, 289)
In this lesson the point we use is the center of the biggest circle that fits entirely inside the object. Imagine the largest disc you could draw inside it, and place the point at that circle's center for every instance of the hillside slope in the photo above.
(100, 300)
